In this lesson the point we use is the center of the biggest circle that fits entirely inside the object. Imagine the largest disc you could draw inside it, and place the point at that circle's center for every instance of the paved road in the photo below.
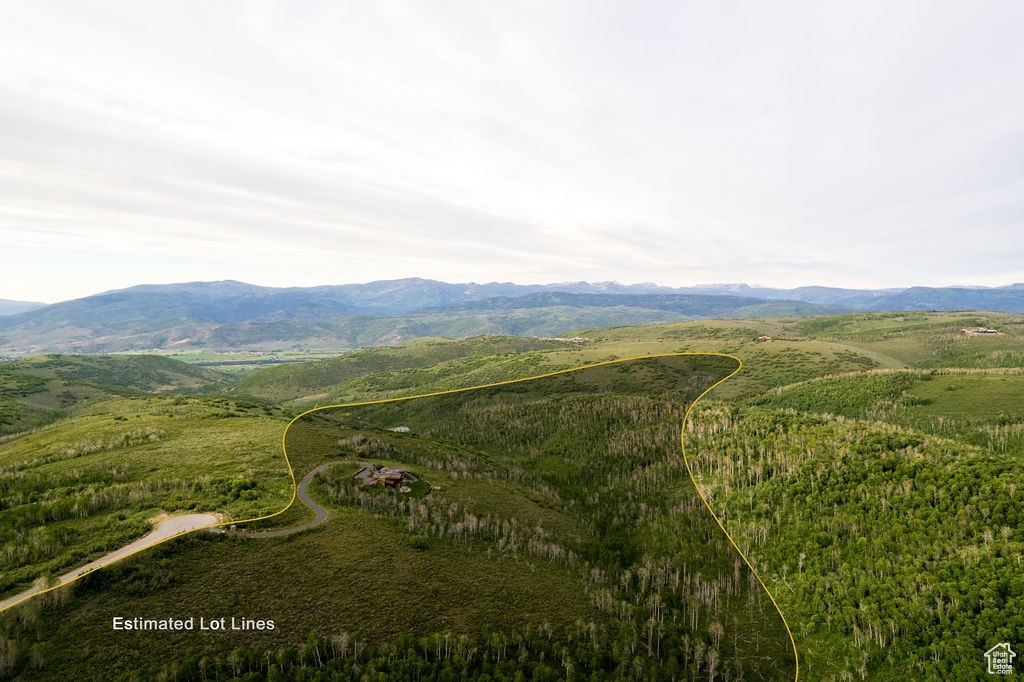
(176, 525)
(303, 495)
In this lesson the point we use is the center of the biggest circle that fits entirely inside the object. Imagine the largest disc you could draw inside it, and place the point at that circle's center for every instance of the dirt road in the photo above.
(175, 525)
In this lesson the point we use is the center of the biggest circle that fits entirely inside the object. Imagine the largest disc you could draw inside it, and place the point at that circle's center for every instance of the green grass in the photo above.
(978, 396)
(84, 486)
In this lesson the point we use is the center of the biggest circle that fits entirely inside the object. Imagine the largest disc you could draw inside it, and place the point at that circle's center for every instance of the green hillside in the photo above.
(442, 364)
(72, 491)
(928, 339)
(316, 380)
(979, 407)
(39, 390)
(895, 554)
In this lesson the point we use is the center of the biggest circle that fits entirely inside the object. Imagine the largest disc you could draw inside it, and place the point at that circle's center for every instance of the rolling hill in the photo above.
(38, 390)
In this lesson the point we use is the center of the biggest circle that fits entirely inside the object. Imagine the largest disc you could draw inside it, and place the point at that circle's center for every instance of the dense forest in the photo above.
(896, 552)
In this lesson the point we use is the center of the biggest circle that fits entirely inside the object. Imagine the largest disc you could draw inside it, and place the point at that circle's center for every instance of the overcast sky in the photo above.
(865, 144)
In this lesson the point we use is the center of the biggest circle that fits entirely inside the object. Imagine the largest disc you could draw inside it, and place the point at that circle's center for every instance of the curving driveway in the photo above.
(303, 494)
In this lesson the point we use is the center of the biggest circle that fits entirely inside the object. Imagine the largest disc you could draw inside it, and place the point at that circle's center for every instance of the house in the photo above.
(393, 478)
(383, 476)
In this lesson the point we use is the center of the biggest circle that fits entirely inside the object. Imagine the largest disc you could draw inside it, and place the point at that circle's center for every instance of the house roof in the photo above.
(1005, 646)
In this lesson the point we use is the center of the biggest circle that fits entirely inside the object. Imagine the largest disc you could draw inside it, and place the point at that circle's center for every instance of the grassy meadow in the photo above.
(77, 489)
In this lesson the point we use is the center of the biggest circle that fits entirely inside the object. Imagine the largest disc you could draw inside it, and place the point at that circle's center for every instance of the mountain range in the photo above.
(235, 315)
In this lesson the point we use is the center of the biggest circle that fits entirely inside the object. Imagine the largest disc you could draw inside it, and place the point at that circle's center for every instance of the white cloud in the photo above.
(779, 144)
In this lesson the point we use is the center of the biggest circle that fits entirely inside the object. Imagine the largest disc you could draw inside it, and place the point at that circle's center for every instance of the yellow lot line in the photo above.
(682, 441)
(689, 470)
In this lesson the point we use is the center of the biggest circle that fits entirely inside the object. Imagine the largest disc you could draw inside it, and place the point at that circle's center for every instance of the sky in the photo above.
(859, 144)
